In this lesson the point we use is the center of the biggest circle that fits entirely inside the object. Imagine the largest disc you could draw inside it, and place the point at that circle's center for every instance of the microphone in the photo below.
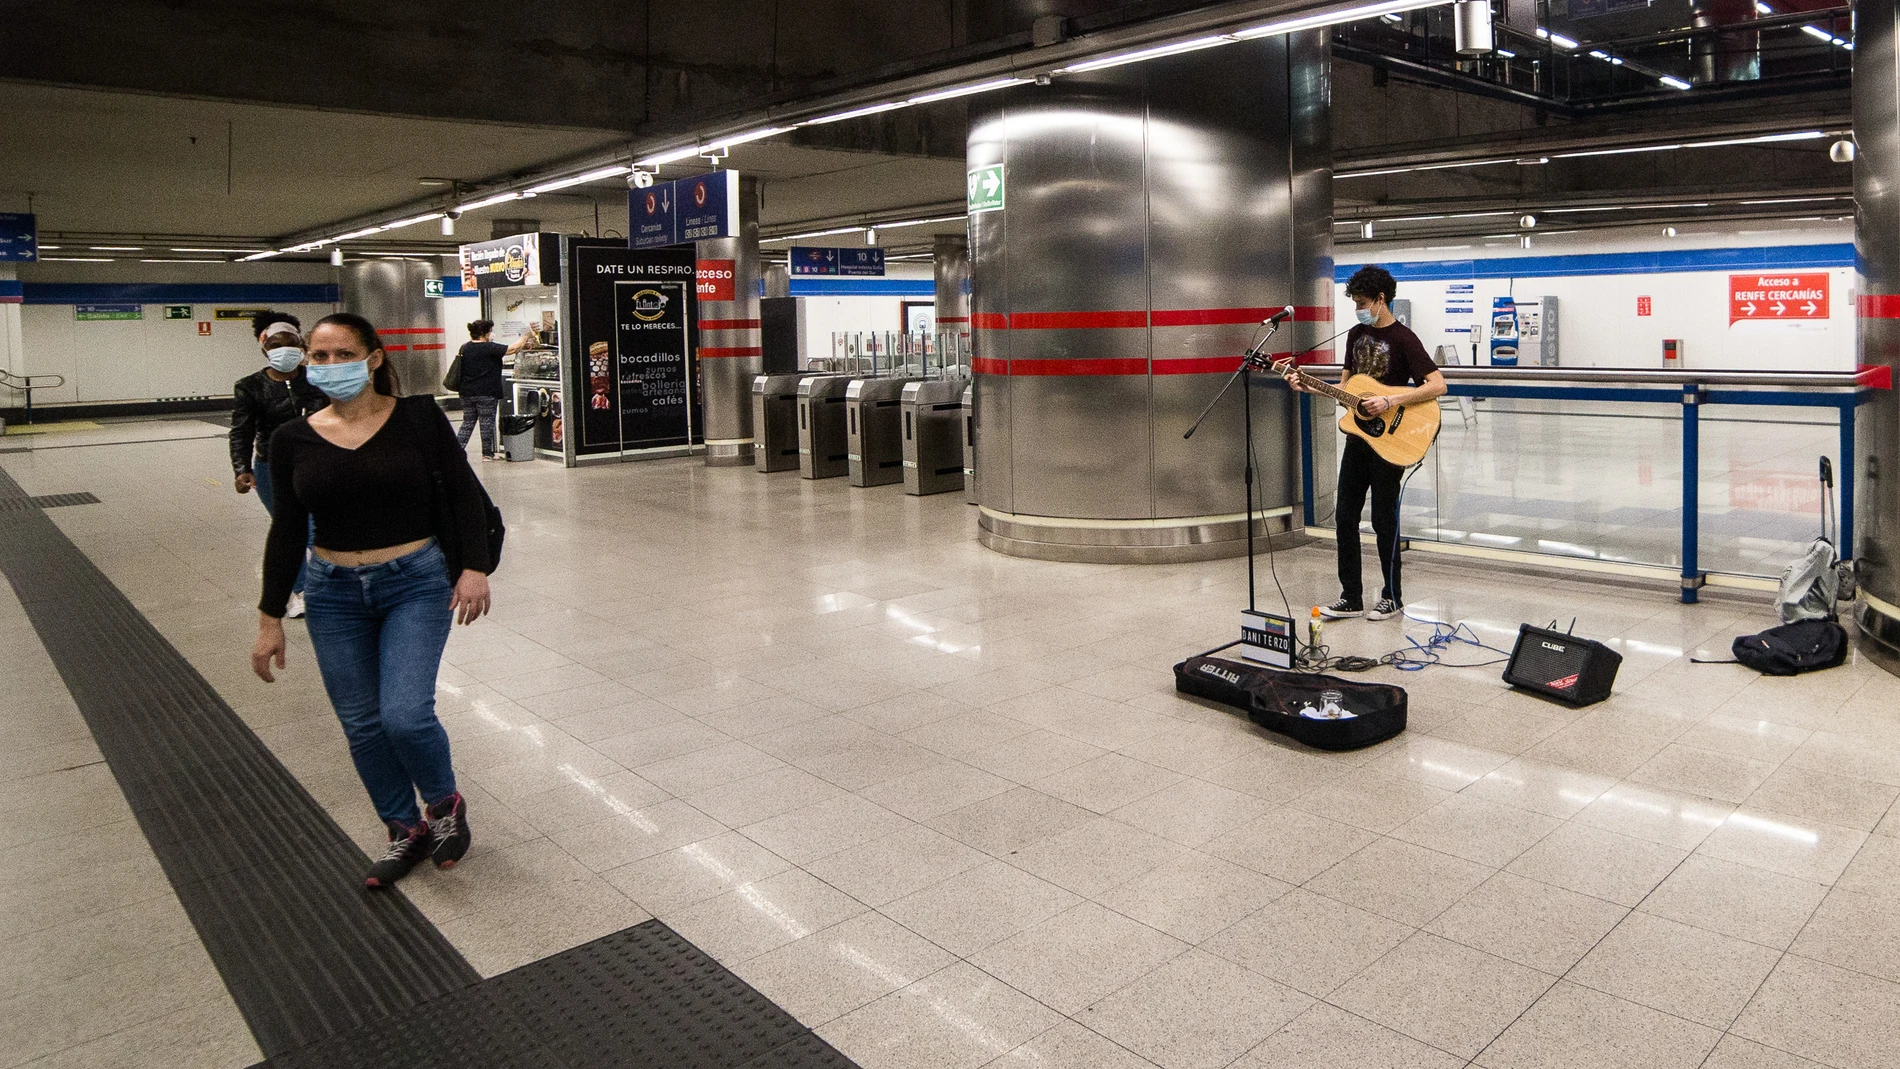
(1278, 317)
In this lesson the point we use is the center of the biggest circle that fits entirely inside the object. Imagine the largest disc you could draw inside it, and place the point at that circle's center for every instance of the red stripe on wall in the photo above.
(1075, 320)
(419, 348)
(394, 348)
(728, 324)
(1875, 376)
(714, 352)
(989, 321)
(1879, 306)
(1190, 365)
(953, 319)
(1128, 366)
(1201, 317)
(410, 330)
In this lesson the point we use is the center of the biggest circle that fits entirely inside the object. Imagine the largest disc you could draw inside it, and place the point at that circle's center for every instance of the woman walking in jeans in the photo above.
(379, 593)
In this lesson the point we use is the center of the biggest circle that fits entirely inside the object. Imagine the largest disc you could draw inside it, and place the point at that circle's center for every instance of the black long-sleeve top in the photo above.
(260, 405)
(378, 495)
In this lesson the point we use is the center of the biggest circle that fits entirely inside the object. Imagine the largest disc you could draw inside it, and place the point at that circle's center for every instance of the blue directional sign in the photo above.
(652, 219)
(708, 205)
(18, 239)
(685, 209)
(818, 260)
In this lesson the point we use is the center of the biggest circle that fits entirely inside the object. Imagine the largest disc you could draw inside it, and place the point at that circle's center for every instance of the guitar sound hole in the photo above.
(1372, 425)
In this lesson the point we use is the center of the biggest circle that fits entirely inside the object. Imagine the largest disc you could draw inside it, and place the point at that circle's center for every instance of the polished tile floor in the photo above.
(944, 806)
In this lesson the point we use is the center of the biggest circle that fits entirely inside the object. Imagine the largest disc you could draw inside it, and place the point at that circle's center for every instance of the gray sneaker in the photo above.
(1386, 609)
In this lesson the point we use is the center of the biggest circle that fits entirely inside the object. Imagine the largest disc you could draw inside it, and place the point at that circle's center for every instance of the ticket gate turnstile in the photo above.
(823, 445)
(875, 430)
(775, 421)
(933, 436)
(969, 443)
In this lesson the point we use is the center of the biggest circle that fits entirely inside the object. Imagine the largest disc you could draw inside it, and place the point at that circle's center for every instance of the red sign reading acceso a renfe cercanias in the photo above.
(715, 280)
(1765, 296)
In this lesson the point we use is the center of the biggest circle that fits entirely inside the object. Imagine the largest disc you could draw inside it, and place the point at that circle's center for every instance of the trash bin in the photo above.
(517, 437)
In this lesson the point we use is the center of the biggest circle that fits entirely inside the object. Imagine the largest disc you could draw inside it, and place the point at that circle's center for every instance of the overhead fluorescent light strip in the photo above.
(400, 223)
(742, 139)
(265, 255)
(857, 113)
(354, 234)
(967, 90)
(487, 202)
(575, 180)
(1332, 18)
(1175, 49)
(670, 156)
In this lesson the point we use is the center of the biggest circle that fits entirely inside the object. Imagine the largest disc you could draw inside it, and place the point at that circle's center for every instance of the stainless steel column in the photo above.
(1877, 249)
(1153, 215)
(730, 352)
(950, 257)
(389, 293)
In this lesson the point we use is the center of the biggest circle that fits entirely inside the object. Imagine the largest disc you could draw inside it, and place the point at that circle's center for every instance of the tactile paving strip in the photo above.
(326, 975)
(53, 501)
(639, 997)
(270, 882)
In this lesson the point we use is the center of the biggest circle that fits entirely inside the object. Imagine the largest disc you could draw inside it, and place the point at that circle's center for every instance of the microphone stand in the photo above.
(1243, 373)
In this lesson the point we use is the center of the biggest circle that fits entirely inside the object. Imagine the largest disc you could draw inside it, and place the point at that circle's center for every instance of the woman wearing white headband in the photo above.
(265, 400)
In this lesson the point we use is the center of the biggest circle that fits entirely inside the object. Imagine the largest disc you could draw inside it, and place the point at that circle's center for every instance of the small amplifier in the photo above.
(1266, 639)
(1552, 664)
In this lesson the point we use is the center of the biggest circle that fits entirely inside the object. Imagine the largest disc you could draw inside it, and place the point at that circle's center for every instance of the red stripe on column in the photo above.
(1075, 320)
(953, 319)
(1879, 306)
(728, 324)
(989, 321)
(410, 330)
(1203, 317)
(1039, 368)
(1197, 365)
(1875, 376)
(437, 345)
(714, 352)
(394, 348)
(989, 365)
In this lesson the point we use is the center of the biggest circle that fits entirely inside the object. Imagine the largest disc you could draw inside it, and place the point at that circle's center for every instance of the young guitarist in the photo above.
(1387, 350)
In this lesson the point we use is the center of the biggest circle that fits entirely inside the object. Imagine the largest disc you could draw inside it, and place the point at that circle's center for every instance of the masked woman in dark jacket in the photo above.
(265, 400)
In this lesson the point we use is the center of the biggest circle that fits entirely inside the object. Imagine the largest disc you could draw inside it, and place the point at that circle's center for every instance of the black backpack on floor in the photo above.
(1802, 646)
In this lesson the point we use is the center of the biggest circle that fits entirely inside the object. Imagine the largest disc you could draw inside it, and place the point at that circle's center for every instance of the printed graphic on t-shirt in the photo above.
(1370, 356)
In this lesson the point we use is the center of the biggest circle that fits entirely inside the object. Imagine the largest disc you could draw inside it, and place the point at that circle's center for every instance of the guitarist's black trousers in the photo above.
(1360, 470)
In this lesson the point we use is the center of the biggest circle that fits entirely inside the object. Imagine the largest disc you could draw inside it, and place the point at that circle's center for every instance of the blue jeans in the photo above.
(267, 493)
(379, 631)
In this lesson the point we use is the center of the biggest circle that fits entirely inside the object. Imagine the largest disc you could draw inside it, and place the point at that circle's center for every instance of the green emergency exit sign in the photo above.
(986, 189)
(178, 311)
(432, 287)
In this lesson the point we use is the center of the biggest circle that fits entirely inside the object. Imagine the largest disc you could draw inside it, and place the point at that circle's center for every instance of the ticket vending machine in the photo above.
(1504, 332)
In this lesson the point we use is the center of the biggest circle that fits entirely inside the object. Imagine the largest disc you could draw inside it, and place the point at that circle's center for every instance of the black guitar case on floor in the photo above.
(1273, 699)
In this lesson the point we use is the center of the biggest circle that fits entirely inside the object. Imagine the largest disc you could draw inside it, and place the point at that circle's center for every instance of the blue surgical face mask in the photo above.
(341, 382)
(284, 359)
(1366, 318)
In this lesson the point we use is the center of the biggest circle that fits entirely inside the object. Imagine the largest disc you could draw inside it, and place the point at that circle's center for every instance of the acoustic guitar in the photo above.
(1401, 436)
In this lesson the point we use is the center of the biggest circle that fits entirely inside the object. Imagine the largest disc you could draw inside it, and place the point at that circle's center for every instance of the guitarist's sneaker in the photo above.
(1343, 610)
(1386, 609)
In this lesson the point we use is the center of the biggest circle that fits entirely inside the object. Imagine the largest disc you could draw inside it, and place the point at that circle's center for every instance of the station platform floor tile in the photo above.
(944, 808)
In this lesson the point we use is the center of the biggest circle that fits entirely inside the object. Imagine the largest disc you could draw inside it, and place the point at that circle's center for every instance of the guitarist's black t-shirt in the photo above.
(1393, 355)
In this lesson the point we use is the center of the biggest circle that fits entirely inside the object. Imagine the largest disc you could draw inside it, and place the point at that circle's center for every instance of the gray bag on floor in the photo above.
(1810, 585)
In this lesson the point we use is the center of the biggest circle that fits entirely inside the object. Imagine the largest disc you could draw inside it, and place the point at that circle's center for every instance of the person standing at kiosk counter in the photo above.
(481, 385)
(265, 400)
(382, 593)
(1387, 350)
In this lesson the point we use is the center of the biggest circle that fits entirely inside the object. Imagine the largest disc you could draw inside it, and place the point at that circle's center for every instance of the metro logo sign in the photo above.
(1771, 297)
